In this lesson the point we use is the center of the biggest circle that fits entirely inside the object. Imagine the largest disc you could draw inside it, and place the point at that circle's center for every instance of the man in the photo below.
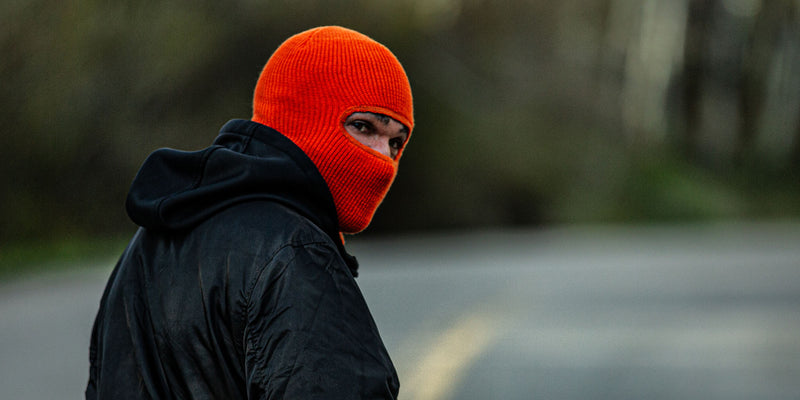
(238, 285)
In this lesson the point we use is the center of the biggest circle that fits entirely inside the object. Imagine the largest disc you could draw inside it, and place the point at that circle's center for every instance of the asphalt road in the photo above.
(708, 312)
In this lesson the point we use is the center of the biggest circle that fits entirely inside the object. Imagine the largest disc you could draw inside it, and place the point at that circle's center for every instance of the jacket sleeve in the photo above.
(309, 333)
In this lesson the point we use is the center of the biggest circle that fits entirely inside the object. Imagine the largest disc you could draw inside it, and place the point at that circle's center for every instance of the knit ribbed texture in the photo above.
(307, 89)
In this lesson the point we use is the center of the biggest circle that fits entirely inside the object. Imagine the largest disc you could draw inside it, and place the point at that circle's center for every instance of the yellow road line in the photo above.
(450, 355)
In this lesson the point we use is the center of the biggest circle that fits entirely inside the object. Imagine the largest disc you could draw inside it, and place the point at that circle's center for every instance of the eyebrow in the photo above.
(385, 119)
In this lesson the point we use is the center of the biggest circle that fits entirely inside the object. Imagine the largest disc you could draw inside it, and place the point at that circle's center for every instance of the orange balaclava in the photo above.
(307, 89)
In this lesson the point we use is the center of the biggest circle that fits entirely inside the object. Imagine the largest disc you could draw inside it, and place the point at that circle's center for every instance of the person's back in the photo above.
(237, 284)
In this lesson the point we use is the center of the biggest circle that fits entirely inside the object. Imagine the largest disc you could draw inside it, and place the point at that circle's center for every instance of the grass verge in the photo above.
(18, 260)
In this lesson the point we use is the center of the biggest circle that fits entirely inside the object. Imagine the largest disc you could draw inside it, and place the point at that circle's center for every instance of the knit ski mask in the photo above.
(307, 89)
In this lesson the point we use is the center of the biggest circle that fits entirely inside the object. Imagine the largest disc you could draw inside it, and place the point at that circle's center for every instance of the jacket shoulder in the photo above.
(263, 223)
(310, 333)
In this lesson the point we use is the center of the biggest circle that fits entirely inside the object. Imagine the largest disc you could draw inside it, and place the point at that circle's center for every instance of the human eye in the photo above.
(396, 143)
(361, 126)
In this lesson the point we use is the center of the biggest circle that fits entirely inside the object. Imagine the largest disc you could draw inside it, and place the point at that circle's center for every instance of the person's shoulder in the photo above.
(255, 241)
(278, 246)
(265, 222)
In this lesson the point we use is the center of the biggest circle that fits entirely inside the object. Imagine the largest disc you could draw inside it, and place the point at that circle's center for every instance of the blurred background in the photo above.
(628, 171)
(529, 113)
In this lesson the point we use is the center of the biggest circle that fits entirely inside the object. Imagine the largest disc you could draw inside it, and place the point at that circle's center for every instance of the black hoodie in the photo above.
(237, 285)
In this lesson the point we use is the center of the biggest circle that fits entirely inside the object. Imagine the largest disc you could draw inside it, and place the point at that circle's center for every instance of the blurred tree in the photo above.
(529, 112)
(755, 69)
(695, 61)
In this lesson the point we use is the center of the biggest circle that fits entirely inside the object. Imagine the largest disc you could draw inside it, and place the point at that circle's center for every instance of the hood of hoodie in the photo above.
(176, 190)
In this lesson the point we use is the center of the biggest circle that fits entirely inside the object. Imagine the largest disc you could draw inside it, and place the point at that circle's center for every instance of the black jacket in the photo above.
(237, 284)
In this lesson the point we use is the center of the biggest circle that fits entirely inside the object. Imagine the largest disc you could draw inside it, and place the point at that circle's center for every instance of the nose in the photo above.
(381, 145)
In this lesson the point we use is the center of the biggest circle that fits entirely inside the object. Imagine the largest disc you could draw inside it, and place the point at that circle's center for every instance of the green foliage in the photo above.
(24, 258)
(521, 108)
